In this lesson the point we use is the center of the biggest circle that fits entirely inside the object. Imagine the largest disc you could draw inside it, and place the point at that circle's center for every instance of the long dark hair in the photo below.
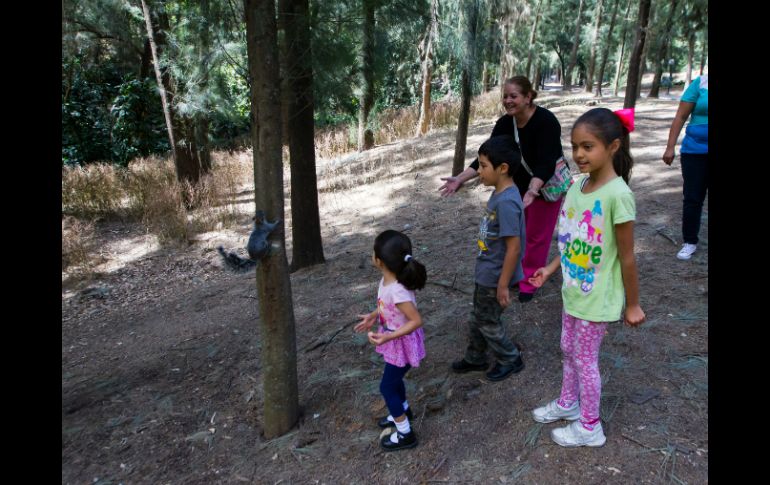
(392, 247)
(606, 126)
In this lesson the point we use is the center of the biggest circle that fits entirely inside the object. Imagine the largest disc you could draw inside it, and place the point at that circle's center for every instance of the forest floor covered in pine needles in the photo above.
(161, 379)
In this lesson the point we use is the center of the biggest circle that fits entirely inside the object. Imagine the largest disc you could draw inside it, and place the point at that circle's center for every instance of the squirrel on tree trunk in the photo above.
(258, 246)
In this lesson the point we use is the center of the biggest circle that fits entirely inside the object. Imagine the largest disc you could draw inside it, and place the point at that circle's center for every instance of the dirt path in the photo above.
(161, 371)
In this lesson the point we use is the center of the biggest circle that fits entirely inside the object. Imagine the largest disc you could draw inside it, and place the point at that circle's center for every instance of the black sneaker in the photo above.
(500, 372)
(403, 441)
(461, 366)
(385, 423)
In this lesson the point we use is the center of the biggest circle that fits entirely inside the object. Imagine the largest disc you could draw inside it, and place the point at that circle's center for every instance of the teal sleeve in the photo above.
(690, 94)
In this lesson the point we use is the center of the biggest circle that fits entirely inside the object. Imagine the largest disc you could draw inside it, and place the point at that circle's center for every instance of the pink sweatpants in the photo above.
(580, 342)
(540, 219)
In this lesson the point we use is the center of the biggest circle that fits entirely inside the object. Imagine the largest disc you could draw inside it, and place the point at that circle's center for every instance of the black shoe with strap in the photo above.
(403, 441)
(461, 366)
(386, 423)
(500, 372)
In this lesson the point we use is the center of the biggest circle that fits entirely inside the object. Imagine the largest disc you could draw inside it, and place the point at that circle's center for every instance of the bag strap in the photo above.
(516, 135)
(526, 167)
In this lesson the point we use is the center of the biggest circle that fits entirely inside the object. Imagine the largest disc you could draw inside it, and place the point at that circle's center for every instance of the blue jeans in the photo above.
(393, 389)
(695, 172)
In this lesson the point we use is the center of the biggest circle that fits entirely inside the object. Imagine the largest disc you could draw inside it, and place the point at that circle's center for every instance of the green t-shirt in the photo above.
(593, 283)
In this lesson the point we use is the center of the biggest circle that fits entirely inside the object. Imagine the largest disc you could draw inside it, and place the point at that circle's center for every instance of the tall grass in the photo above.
(395, 124)
(149, 192)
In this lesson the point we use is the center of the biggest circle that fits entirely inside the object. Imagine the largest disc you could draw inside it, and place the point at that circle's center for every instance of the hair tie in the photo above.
(626, 118)
(407, 258)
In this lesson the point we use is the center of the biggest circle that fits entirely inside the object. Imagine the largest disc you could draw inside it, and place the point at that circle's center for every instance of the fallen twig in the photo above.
(450, 286)
(327, 339)
(638, 443)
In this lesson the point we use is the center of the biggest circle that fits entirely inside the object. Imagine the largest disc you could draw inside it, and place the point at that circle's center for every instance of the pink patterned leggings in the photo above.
(580, 342)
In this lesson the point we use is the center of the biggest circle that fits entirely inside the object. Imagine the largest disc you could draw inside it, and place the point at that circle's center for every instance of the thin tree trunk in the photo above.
(504, 52)
(621, 50)
(532, 35)
(276, 315)
(181, 131)
(643, 66)
(636, 56)
(426, 55)
(606, 52)
(144, 69)
(202, 119)
(567, 80)
(592, 60)
(704, 44)
(690, 57)
(471, 9)
(159, 77)
(367, 71)
(661, 57)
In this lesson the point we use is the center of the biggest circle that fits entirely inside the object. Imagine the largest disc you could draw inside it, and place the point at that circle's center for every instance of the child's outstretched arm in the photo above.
(414, 321)
(624, 234)
(512, 251)
(542, 274)
(366, 322)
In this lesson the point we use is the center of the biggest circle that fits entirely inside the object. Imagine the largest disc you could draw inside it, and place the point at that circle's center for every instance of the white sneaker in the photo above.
(574, 434)
(553, 412)
(686, 251)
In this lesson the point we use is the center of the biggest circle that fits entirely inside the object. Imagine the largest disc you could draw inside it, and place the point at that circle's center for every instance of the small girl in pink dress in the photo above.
(400, 338)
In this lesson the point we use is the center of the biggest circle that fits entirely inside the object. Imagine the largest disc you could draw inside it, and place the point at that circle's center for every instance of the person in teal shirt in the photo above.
(695, 152)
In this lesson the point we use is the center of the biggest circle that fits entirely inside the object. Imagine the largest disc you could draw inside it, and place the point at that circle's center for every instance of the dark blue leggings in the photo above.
(695, 172)
(393, 389)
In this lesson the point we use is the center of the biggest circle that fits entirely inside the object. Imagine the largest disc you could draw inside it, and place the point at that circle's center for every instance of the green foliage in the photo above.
(108, 117)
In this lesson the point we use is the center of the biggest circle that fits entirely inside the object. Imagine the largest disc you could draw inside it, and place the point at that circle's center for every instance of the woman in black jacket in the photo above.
(540, 144)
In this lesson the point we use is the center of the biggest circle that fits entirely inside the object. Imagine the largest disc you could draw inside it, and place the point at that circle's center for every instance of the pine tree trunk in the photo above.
(144, 69)
(643, 67)
(159, 77)
(690, 57)
(661, 57)
(307, 247)
(567, 80)
(426, 55)
(276, 312)
(592, 60)
(636, 56)
(471, 9)
(367, 71)
(532, 36)
(621, 51)
(181, 132)
(504, 73)
(606, 52)
(202, 119)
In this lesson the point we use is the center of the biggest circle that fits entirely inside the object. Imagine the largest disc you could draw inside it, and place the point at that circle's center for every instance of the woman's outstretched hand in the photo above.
(451, 185)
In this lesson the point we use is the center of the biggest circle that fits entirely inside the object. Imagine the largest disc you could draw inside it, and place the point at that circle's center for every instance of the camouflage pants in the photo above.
(486, 329)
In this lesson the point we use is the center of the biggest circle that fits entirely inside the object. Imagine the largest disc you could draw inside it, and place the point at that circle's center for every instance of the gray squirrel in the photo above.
(258, 246)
